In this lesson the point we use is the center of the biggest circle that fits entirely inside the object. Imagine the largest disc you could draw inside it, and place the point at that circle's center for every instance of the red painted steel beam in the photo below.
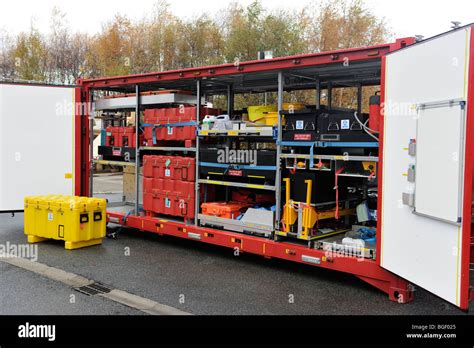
(367, 270)
(466, 257)
(78, 138)
(85, 100)
(298, 61)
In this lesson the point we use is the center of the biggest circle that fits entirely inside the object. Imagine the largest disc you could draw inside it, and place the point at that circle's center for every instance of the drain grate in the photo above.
(94, 289)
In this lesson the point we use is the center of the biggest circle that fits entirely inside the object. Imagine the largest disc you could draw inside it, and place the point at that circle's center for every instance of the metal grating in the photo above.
(94, 289)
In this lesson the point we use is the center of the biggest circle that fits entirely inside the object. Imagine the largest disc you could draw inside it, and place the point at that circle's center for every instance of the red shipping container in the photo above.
(170, 168)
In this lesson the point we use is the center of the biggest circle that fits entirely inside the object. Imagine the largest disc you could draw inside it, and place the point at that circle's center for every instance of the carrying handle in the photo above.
(184, 208)
(84, 218)
(98, 216)
(184, 170)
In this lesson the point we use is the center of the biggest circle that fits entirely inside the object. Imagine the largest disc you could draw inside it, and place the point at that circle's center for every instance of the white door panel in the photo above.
(424, 247)
(36, 142)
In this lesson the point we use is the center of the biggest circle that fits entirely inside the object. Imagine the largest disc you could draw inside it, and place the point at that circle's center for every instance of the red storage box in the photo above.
(181, 133)
(152, 203)
(111, 136)
(166, 203)
(170, 168)
(122, 137)
(227, 210)
(126, 136)
(177, 114)
(183, 188)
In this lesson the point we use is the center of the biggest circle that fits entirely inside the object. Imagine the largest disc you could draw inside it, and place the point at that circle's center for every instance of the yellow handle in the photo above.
(287, 182)
(287, 203)
(309, 183)
(307, 209)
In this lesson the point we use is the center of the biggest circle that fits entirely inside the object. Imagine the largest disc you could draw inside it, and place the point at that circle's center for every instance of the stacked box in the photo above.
(122, 137)
(176, 115)
(170, 168)
(169, 185)
(170, 134)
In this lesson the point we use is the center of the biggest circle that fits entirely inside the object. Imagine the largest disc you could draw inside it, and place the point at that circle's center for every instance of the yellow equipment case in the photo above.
(79, 221)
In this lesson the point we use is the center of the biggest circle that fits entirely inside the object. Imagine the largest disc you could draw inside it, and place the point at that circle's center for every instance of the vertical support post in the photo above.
(359, 98)
(329, 95)
(198, 119)
(91, 143)
(137, 149)
(281, 85)
(318, 95)
(230, 100)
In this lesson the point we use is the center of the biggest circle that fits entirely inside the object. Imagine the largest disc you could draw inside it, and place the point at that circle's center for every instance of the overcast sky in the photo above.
(405, 17)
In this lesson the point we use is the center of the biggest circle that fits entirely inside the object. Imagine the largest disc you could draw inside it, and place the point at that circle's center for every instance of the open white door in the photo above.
(36, 142)
(423, 179)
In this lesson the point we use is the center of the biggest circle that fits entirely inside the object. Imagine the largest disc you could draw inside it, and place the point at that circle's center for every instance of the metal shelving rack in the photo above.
(136, 103)
(262, 132)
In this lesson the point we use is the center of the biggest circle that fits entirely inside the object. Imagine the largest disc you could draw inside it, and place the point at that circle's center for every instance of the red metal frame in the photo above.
(303, 60)
(83, 128)
(380, 171)
(78, 138)
(467, 293)
(370, 271)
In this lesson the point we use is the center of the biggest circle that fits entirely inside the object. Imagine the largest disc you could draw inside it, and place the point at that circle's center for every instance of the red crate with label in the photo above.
(177, 186)
(171, 133)
(169, 203)
(170, 168)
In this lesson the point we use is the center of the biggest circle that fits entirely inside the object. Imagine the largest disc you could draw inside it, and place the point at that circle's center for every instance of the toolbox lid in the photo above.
(66, 202)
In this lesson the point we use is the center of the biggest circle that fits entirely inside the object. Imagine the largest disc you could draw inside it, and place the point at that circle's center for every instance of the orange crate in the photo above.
(227, 210)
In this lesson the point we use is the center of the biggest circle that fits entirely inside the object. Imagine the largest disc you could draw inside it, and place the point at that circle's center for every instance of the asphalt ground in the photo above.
(192, 277)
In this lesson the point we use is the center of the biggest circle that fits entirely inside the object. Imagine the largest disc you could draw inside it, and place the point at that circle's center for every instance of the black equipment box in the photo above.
(342, 126)
(120, 154)
(322, 188)
(237, 163)
(301, 125)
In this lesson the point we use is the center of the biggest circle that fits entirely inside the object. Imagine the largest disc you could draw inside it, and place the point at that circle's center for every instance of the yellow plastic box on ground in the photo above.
(79, 221)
